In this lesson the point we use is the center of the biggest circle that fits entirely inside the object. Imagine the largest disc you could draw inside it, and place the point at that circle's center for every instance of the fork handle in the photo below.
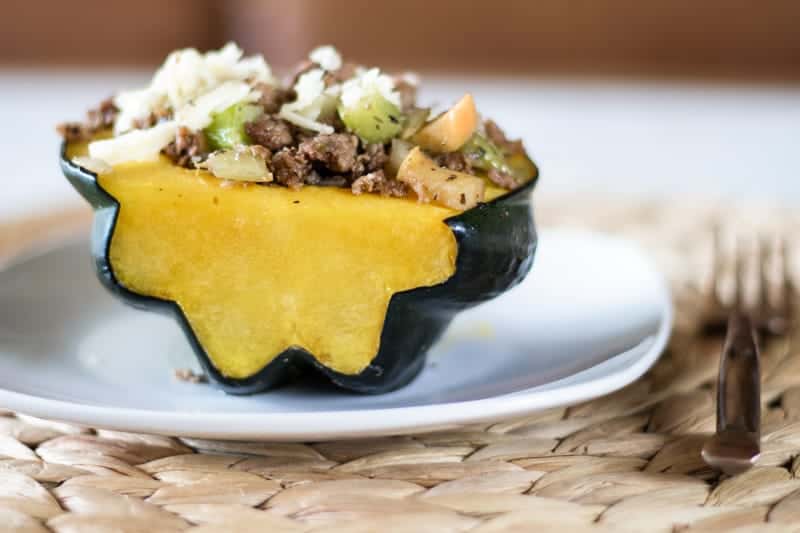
(739, 383)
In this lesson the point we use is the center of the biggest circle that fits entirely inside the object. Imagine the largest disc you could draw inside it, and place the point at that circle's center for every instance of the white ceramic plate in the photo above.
(592, 316)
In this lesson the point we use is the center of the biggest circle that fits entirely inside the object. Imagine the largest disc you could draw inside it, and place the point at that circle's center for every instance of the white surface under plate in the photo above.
(592, 317)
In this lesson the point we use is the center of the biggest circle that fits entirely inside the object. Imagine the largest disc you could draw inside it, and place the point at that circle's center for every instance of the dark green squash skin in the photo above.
(496, 245)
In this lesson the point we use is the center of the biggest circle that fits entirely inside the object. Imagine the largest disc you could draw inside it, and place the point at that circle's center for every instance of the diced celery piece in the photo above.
(240, 164)
(373, 118)
(227, 128)
(485, 155)
(397, 154)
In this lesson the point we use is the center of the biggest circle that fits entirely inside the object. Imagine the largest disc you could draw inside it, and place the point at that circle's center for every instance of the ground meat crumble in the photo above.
(270, 132)
(272, 97)
(152, 119)
(510, 147)
(377, 182)
(98, 119)
(335, 160)
(498, 137)
(336, 151)
(186, 148)
(500, 179)
(291, 168)
(373, 158)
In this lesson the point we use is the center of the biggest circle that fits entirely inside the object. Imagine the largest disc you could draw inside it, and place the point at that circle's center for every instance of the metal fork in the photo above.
(736, 445)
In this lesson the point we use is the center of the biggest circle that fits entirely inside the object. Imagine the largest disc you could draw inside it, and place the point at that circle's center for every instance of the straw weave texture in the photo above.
(626, 462)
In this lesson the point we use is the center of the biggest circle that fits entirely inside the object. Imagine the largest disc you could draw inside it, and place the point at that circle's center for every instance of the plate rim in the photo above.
(357, 423)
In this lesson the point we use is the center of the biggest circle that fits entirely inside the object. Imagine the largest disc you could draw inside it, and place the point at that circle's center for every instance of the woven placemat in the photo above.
(628, 461)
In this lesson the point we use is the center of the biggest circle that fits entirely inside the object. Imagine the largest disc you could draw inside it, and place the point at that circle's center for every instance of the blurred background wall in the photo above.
(737, 39)
(651, 98)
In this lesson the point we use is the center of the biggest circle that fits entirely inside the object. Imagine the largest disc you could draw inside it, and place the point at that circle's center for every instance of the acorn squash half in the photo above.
(268, 282)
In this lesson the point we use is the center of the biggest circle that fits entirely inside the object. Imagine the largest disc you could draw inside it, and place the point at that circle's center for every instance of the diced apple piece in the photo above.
(450, 130)
(433, 183)
(243, 163)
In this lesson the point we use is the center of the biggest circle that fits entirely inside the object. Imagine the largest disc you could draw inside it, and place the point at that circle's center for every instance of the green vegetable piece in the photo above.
(486, 155)
(227, 127)
(374, 118)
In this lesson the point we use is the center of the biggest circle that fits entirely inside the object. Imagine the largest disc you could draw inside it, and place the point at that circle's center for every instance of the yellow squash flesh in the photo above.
(258, 269)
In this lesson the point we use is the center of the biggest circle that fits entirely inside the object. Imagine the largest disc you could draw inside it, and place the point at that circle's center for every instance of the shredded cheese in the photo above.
(305, 122)
(186, 76)
(326, 57)
(367, 82)
(311, 98)
(136, 145)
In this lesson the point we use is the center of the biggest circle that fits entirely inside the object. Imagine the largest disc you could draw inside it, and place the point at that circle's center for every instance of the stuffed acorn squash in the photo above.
(330, 225)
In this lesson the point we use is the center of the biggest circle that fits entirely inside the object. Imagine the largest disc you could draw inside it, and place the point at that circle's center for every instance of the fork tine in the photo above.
(763, 306)
(716, 308)
(786, 268)
(786, 281)
(716, 264)
(775, 306)
(739, 288)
